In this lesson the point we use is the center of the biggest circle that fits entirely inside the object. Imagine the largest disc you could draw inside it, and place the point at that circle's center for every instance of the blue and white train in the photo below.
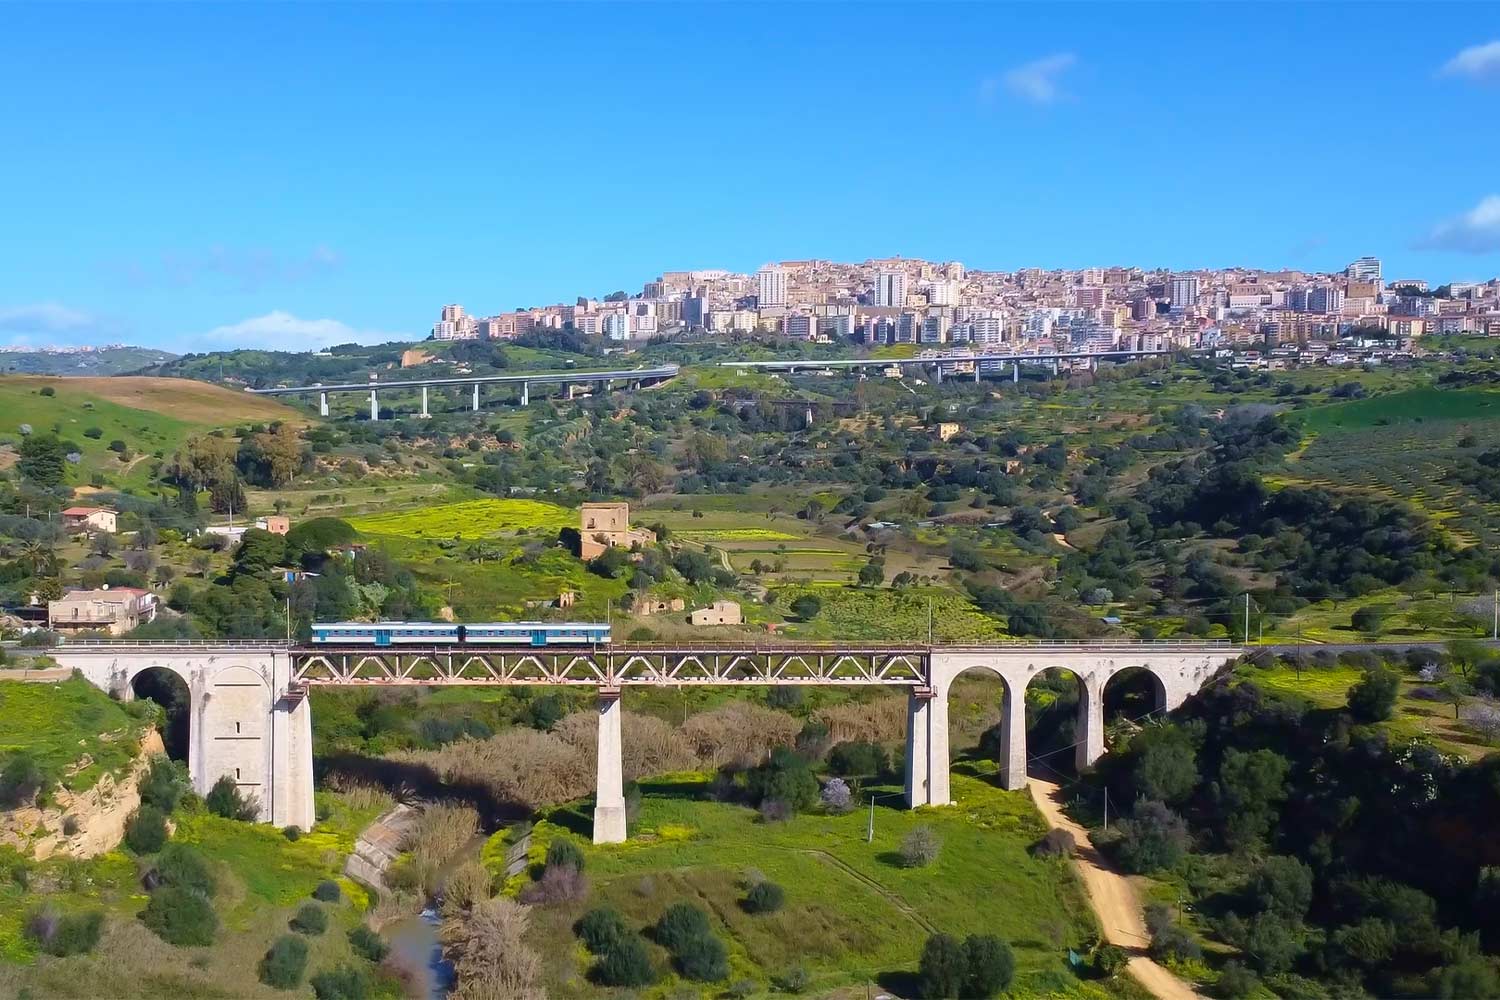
(444, 634)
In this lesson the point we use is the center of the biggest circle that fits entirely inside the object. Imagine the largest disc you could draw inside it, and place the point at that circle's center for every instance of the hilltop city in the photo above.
(944, 306)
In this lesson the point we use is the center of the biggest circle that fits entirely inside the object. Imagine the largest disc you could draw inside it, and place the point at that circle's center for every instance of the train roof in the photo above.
(385, 624)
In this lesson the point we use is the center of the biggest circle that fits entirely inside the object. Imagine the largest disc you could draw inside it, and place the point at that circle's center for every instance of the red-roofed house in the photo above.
(89, 519)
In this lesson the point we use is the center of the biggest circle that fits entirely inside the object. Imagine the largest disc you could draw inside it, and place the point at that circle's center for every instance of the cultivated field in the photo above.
(468, 519)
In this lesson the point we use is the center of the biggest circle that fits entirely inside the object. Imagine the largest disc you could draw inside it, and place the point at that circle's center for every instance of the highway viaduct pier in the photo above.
(634, 377)
(250, 717)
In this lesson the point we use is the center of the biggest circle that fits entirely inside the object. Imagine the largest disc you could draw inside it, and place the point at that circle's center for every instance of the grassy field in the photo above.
(262, 879)
(854, 915)
(467, 519)
(66, 725)
(891, 615)
(151, 415)
(1408, 406)
(499, 588)
(342, 500)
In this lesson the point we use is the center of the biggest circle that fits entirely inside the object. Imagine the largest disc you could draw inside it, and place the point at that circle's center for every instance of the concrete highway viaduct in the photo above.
(250, 717)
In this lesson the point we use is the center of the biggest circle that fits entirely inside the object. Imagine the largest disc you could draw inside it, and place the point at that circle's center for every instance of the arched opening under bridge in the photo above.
(167, 689)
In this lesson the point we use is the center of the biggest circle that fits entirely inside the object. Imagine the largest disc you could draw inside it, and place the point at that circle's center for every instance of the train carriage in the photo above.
(442, 633)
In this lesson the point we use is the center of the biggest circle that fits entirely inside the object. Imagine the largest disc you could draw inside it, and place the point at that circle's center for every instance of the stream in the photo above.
(414, 939)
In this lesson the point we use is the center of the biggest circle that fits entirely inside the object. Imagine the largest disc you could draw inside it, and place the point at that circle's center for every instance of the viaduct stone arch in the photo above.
(244, 719)
(927, 759)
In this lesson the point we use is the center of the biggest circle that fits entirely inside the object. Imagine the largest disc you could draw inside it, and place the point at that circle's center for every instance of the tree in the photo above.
(225, 799)
(920, 847)
(1373, 697)
(146, 830)
(346, 982)
(1166, 764)
(1153, 838)
(857, 757)
(1254, 784)
(309, 919)
(1283, 885)
(259, 552)
(1466, 654)
(990, 965)
(944, 969)
(836, 796)
(807, 607)
(43, 460)
(1467, 979)
(872, 573)
(1369, 619)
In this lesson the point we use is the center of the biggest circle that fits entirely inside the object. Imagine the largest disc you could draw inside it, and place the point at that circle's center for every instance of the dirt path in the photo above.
(1113, 898)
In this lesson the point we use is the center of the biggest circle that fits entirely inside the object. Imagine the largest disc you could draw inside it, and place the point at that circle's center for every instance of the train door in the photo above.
(539, 637)
(382, 637)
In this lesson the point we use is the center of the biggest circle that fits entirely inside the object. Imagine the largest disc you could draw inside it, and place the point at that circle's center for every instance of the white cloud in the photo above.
(1475, 231)
(281, 331)
(1477, 62)
(1036, 81)
(42, 324)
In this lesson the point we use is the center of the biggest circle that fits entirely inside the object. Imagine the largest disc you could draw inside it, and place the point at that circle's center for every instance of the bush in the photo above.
(291, 833)
(764, 897)
(1373, 697)
(601, 929)
(558, 884)
(1110, 960)
(64, 935)
(680, 924)
(180, 916)
(920, 847)
(164, 784)
(368, 944)
(284, 964)
(785, 777)
(807, 607)
(1154, 838)
(1236, 981)
(20, 780)
(344, 983)
(146, 830)
(225, 799)
(703, 959)
(626, 964)
(858, 757)
(564, 853)
(70, 826)
(183, 867)
(989, 965)
(836, 797)
(310, 919)
(1283, 884)
(328, 891)
(944, 969)
(1058, 843)
(793, 980)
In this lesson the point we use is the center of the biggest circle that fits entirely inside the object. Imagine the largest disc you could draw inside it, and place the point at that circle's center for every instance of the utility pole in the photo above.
(929, 642)
(1495, 634)
(1106, 808)
(870, 832)
(1247, 617)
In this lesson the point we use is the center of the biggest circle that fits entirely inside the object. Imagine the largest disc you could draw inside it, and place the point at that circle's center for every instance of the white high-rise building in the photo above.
(988, 330)
(943, 293)
(1183, 291)
(1364, 269)
(772, 287)
(890, 288)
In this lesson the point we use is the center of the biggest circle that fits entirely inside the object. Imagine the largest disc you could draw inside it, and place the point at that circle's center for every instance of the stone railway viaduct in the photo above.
(250, 716)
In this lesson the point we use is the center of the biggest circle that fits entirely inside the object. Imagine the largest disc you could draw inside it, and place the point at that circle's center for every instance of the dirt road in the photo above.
(1114, 899)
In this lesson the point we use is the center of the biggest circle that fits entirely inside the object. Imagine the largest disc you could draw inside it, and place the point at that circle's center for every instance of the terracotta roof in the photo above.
(85, 511)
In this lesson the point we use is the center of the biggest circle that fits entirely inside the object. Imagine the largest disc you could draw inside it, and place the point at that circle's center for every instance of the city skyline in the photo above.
(364, 181)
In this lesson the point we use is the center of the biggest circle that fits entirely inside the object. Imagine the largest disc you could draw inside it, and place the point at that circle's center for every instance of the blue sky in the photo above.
(192, 176)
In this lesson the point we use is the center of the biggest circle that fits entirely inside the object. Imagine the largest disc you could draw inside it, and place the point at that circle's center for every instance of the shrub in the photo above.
(1154, 838)
(764, 897)
(368, 944)
(558, 884)
(564, 853)
(1236, 981)
(626, 964)
(67, 934)
(743, 989)
(1283, 884)
(989, 965)
(328, 891)
(1058, 843)
(225, 799)
(807, 607)
(180, 916)
(703, 959)
(858, 757)
(1110, 960)
(309, 919)
(291, 833)
(283, 965)
(679, 924)
(182, 866)
(146, 830)
(70, 826)
(920, 847)
(793, 980)
(343, 983)
(20, 780)
(785, 777)
(943, 969)
(601, 929)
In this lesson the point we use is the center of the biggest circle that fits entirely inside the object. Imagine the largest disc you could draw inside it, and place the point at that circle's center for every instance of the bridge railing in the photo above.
(773, 648)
